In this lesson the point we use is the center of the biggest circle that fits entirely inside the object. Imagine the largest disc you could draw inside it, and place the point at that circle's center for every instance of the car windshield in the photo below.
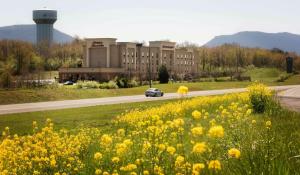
(152, 89)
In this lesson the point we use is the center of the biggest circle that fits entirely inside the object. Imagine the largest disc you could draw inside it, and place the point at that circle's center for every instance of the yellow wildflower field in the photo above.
(204, 135)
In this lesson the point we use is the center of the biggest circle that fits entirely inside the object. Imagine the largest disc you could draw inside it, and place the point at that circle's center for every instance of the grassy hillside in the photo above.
(204, 135)
(95, 116)
(264, 74)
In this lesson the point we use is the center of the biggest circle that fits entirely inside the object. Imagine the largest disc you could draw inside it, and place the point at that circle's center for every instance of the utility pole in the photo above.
(149, 67)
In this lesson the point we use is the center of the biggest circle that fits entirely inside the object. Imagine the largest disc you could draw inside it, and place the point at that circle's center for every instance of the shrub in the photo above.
(87, 84)
(260, 95)
(122, 82)
(133, 83)
(110, 85)
(283, 77)
(54, 85)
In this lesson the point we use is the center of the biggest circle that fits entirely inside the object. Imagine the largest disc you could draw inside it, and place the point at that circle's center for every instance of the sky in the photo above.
(196, 21)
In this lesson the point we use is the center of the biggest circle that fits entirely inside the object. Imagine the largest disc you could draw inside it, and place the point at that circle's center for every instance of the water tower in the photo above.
(44, 20)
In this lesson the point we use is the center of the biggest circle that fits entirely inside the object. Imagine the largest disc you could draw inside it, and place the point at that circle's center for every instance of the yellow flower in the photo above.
(105, 173)
(161, 147)
(97, 156)
(34, 124)
(146, 172)
(234, 153)
(268, 124)
(115, 159)
(196, 114)
(171, 150)
(98, 172)
(53, 163)
(115, 172)
(129, 167)
(214, 164)
(182, 90)
(121, 132)
(199, 148)
(216, 131)
(138, 161)
(197, 131)
(48, 120)
(128, 142)
(121, 149)
(106, 140)
(253, 122)
(179, 161)
(178, 122)
(36, 172)
(198, 167)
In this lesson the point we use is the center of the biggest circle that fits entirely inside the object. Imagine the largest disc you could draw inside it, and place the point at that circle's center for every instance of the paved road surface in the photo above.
(52, 105)
(291, 99)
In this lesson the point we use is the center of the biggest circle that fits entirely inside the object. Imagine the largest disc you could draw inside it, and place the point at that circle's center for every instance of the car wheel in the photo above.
(162, 94)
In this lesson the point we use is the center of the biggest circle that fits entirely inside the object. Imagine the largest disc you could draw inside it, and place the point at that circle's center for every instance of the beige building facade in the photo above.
(105, 58)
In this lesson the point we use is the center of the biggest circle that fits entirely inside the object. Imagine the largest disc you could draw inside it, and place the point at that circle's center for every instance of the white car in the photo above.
(154, 92)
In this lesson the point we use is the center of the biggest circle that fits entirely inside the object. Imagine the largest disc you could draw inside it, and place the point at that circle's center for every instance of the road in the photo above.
(291, 99)
(53, 105)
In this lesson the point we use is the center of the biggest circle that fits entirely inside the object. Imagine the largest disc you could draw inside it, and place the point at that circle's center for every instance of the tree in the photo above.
(163, 74)
(7, 69)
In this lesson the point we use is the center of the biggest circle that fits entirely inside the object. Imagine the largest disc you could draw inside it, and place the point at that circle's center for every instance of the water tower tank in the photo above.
(44, 20)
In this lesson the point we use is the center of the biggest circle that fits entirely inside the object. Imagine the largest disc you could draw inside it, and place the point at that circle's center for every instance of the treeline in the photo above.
(20, 60)
(231, 58)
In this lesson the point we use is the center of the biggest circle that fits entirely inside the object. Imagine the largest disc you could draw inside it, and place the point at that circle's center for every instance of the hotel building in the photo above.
(105, 58)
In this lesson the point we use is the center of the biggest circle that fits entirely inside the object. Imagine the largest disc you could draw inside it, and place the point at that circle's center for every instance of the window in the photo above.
(142, 54)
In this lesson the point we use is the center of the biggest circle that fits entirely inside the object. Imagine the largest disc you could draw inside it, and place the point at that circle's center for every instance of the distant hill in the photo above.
(28, 33)
(284, 41)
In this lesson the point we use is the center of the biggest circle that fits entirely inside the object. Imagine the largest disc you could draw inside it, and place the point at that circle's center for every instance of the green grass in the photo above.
(95, 116)
(263, 151)
(265, 75)
(63, 93)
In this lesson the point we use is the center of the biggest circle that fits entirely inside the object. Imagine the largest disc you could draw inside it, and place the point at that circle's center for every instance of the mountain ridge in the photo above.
(27, 32)
(282, 40)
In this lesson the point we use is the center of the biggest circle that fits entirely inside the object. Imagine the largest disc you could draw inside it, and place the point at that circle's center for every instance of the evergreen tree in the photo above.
(163, 74)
